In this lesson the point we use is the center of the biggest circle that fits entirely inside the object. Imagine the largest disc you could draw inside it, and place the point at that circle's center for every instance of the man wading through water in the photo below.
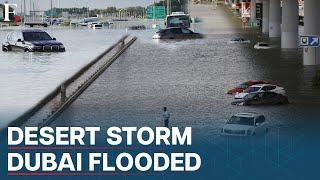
(166, 117)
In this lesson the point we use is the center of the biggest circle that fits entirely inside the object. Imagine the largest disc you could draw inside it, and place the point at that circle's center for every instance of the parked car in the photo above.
(245, 124)
(239, 41)
(32, 41)
(260, 88)
(137, 27)
(262, 98)
(241, 87)
(176, 33)
(262, 45)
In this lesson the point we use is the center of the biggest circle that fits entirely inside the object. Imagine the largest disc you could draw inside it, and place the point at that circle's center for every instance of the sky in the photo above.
(45, 4)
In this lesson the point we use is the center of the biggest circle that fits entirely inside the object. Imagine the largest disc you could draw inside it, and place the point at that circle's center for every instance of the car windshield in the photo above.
(178, 21)
(242, 86)
(249, 121)
(252, 89)
(36, 36)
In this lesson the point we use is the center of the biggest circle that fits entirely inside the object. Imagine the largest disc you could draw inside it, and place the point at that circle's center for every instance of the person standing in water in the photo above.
(166, 117)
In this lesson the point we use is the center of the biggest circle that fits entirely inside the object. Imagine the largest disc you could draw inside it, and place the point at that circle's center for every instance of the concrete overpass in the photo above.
(280, 19)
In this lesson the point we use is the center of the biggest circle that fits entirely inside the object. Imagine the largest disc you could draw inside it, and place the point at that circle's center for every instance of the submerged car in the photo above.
(137, 27)
(241, 87)
(262, 45)
(260, 88)
(95, 25)
(262, 98)
(245, 124)
(239, 41)
(32, 41)
(176, 33)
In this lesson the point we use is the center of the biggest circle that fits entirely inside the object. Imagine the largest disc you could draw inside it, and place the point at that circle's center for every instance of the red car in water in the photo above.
(241, 87)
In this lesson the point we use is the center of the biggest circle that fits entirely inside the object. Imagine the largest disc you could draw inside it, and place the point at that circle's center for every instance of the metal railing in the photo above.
(67, 92)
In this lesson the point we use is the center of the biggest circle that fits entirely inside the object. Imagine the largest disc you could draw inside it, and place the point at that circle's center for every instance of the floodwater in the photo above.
(26, 78)
(191, 78)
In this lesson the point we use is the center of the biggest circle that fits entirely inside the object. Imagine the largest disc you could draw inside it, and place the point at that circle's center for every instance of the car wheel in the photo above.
(4, 48)
(26, 50)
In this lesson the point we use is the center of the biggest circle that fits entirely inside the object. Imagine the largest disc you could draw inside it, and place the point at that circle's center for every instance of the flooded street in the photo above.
(25, 78)
(189, 77)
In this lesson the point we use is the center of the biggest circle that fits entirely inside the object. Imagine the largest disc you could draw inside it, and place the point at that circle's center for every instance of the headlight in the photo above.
(61, 47)
(156, 36)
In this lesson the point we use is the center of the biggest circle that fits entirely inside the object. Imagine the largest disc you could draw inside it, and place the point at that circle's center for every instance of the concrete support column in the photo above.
(311, 56)
(253, 11)
(274, 18)
(265, 16)
(290, 24)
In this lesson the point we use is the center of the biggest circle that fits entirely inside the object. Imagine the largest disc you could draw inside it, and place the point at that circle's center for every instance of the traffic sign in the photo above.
(156, 12)
(310, 41)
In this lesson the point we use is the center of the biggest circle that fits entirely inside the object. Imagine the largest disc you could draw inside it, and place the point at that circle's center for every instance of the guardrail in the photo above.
(60, 93)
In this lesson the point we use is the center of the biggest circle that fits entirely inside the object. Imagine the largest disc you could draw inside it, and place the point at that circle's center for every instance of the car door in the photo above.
(177, 33)
(14, 41)
(19, 43)
(271, 98)
(257, 99)
(168, 34)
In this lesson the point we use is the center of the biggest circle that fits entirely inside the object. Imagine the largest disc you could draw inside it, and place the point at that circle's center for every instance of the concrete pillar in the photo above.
(253, 11)
(311, 56)
(290, 24)
(265, 16)
(274, 18)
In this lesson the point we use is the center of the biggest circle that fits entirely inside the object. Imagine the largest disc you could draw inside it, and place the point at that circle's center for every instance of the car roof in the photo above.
(247, 114)
(262, 85)
(32, 30)
(175, 28)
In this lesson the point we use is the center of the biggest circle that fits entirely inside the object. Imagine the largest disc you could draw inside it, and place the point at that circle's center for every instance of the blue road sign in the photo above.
(310, 41)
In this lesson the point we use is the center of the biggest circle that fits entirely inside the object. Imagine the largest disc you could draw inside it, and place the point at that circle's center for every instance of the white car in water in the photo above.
(238, 41)
(262, 45)
(245, 124)
(261, 88)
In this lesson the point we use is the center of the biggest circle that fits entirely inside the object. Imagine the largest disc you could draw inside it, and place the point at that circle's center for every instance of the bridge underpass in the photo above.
(280, 20)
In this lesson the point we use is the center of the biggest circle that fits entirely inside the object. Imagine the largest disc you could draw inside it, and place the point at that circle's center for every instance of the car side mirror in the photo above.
(54, 39)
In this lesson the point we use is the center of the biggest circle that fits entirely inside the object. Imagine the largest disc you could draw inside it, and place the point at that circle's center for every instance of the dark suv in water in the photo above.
(32, 41)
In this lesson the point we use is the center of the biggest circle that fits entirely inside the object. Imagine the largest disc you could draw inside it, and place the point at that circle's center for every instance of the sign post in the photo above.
(310, 41)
